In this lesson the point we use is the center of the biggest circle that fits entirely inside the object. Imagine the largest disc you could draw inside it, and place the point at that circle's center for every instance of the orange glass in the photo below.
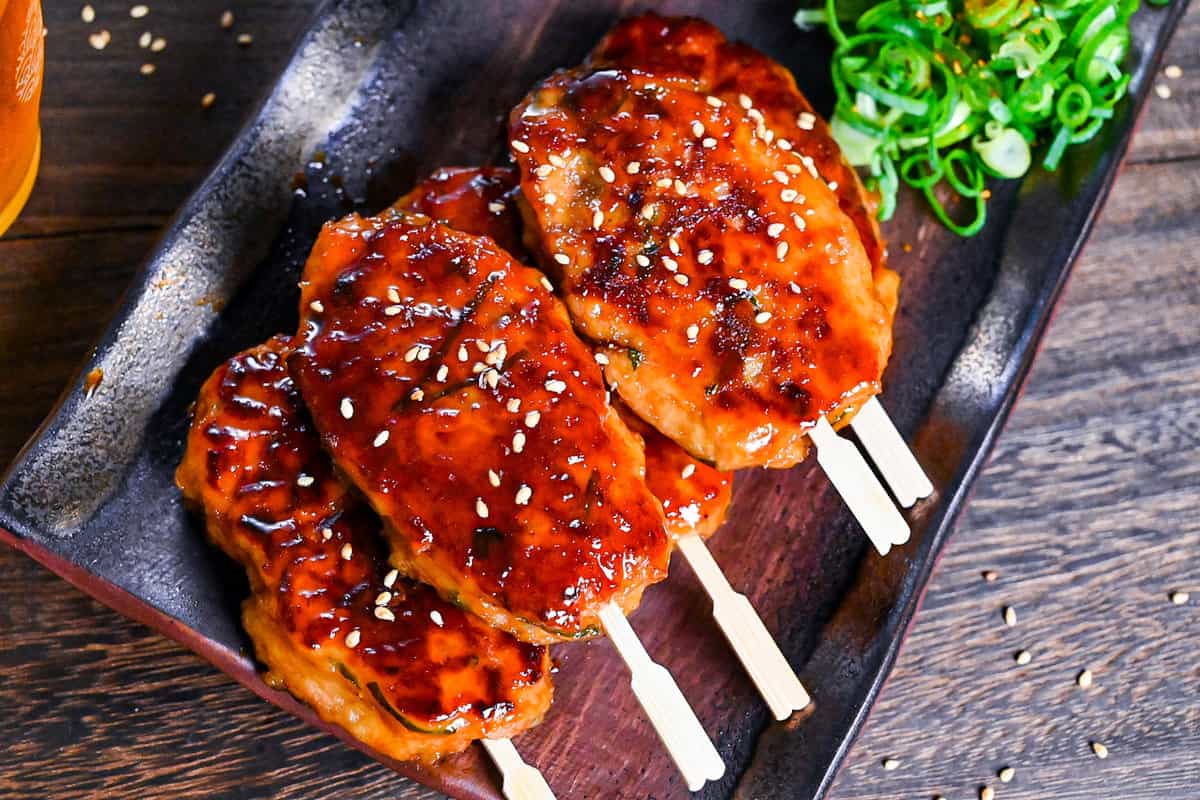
(22, 61)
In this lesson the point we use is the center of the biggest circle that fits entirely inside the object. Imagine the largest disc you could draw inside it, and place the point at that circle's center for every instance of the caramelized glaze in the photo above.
(450, 389)
(732, 294)
(475, 200)
(401, 669)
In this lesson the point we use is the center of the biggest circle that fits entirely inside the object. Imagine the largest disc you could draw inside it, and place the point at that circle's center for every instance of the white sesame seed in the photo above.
(389, 580)
(411, 354)
(1180, 598)
(762, 317)
(1023, 657)
(1173, 71)
(1163, 91)
(788, 195)
(493, 477)
(649, 210)
(326, 534)
(544, 171)
(305, 480)
(715, 102)
(208, 99)
(391, 311)
(642, 260)
(381, 438)
(347, 551)
(601, 359)
(693, 331)
(708, 142)
(806, 120)
(393, 294)
(482, 346)
(87, 14)
(756, 115)
(557, 160)
(633, 167)
(556, 386)
(481, 508)
(550, 198)
(518, 443)
(317, 306)
(99, 40)
(681, 279)
(738, 284)
(891, 764)
(1010, 616)
(597, 219)
(492, 378)
(671, 264)
(705, 256)
(1006, 774)
(158, 45)
(794, 169)
(680, 188)
(673, 245)
(383, 598)
(347, 408)
(496, 207)
(523, 495)
(562, 258)
(519, 146)
(783, 144)
(774, 229)
(832, 186)
(781, 176)
(697, 129)
(226, 20)
(513, 405)
(145, 40)
(384, 613)
(1100, 750)
(139, 11)
(147, 69)
(436, 616)
(533, 418)
(663, 183)
(607, 174)
(245, 39)
(442, 373)
(799, 222)
(462, 353)
(987, 793)
(687, 471)
(745, 101)
(353, 638)
(546, 284)
(781, 250)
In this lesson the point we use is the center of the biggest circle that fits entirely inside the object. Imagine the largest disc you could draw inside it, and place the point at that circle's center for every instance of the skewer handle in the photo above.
(674, 720)
(520, 781)
(747, 635)
(891, 455)
(858, 486)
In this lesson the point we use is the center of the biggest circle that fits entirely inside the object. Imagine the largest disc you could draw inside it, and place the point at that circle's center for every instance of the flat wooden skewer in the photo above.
(520, 781)
(891, 454)
(748, 636)
(858, 486)
(674, 720)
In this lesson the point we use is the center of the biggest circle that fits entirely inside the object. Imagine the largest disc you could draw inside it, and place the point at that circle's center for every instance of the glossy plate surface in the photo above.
(381, 92)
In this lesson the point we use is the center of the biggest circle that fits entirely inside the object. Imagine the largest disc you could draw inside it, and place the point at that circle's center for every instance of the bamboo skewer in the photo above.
(520, 780)
(748, 636)
(891, 454)
(859, 488)
(674, 720)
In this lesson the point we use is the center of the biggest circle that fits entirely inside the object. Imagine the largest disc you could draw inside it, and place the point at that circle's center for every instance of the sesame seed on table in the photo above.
(1083, 522)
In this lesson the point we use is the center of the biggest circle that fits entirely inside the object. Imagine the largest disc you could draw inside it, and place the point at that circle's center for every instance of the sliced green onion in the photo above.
(1005, 154)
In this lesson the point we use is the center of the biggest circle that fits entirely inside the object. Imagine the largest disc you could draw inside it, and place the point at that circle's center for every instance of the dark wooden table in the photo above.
(1088, 512)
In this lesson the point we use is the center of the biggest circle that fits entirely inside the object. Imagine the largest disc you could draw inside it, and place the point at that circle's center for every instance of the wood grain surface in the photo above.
(1087, 512)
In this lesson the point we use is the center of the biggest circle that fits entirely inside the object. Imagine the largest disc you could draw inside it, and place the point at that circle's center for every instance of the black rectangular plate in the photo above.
(381, 92)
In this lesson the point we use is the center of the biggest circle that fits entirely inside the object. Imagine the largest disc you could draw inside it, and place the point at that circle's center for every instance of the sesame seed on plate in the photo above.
(353, 638)
(1180, 598)
(384, 613)
(890, 764)
(158, 45)
(347, 551)
(987, 793)
(556, 386)
(245, 39)
(519, 146)
(208, 99)
(1173, 71)
(607, 174)
(436, 616)
(1084, 679)
(1100, 750)
(389, 580)
(523, 495)
(762, 317)
(481, 508)
(738, 284)
(226, 20)
(1162, 90)
(347, 408)
(1006, 774)
(139, 11)
(147, 69)
(1010, 616)
(518, 442)
(383, 598)
(705, 256)
(1023, 657)
(990, 575)
(100, 39)
(145, 40)
(305, 480)
(381, 439)
(633, 167)
(687, 471)
(87, 14)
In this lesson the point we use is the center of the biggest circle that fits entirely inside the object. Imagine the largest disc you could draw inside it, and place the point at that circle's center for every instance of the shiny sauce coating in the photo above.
(389, 660)
(732, 293)
(449, 388)
(475, 200)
